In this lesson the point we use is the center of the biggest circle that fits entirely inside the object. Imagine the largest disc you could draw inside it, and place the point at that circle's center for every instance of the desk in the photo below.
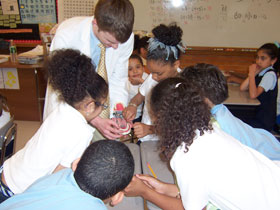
(26, 103)
(237, 97)
(240, 104)
(150, 153)
(128, 203)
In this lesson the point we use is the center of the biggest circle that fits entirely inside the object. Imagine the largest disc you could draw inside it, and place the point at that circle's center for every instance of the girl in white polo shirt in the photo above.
(210, 165)
(163, 62)
(65, 134)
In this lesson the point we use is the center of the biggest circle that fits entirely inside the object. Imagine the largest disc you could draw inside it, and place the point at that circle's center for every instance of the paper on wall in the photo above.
(10, 78)
(1, 80)
(10, 7)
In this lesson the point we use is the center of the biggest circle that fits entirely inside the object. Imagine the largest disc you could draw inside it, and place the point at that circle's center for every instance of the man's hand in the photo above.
(107, 127)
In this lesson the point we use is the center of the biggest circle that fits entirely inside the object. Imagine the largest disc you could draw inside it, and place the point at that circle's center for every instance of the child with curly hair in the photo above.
(163, 62)
(65, 133)
(214, 86)
(210, 165)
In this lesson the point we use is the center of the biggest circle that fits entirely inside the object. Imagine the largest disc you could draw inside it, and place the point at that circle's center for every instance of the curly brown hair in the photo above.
(73, 76)
(178, 110)
(169, 35)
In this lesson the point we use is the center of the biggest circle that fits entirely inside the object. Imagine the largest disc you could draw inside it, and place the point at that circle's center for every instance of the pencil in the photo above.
(149, 166)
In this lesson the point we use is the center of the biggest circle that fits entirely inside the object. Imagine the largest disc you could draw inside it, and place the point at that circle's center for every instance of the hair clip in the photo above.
(178, 84)
(277, 44)
(154, 43)
(182, 47)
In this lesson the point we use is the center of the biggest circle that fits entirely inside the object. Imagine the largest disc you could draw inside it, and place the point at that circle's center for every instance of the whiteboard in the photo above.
(211, 23)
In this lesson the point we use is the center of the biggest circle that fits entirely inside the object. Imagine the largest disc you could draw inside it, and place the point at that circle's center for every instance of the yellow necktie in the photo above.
(101, 70)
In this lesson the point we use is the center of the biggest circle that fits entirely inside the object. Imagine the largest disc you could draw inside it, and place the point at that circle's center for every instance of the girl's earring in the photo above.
(111, 204)
(87, 113)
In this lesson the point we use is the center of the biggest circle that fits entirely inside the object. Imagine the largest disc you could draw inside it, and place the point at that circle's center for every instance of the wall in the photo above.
(225, 23)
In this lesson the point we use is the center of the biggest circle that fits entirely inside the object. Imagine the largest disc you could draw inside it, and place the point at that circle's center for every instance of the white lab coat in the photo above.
(75, 33)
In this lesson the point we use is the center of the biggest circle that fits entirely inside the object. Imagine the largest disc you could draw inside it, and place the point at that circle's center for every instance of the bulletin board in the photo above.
(72, 8)
(21, 19)
(210, 23)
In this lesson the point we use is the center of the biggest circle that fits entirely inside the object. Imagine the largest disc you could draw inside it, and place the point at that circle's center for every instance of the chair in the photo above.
(7, 134)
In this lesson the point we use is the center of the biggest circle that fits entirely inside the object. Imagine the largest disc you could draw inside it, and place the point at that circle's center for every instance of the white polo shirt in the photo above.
(61, 139)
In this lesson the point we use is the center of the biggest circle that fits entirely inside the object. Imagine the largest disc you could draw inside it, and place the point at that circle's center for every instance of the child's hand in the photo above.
(135, 188)
(159, 186)
(254, 69)
(141, 129)
(129, 113)
(153, 183)
(136, 80)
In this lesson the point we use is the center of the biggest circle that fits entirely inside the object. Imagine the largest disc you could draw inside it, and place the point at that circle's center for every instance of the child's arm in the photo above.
(159, 186)
(129, 112)
(233, 78)
(139, 188)
(249, 82)
(254, 91)
(245, 85)
(141, 129)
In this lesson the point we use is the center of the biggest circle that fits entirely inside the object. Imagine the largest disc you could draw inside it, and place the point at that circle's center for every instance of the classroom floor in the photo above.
(25, 130)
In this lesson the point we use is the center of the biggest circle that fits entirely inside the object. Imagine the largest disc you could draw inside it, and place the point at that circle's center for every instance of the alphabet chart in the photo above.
(37, 11)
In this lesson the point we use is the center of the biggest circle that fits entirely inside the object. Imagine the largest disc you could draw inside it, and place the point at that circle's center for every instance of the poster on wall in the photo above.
(9, 7)
(37, 11)
(9, 14)
(1, 80)
(73, 8)
(10, 78)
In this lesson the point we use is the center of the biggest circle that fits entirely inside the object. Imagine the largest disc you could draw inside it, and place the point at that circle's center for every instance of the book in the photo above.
(4, 58)
(31, 57)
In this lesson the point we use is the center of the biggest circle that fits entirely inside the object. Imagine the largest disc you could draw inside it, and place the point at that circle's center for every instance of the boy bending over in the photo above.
(104, 170)
(214, 86)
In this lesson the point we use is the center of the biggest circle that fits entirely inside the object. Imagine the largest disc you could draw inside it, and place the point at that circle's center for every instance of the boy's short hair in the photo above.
(105, 168)
(115, 17)
(210, 79)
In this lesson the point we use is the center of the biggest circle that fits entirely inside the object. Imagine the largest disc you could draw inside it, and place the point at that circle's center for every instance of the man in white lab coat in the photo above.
(112, 26)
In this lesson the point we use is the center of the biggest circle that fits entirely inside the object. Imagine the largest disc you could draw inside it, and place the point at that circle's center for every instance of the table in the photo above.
(151, 154)
(240, 104)
(26, 103)
(237, 97)
(128, 203)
